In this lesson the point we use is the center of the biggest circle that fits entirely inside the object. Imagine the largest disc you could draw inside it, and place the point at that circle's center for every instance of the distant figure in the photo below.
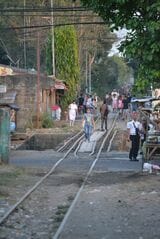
(88, 124)
(73, 108)
(114, 102)
(80, 103)
(120, 106)
(104, 115)
(109, 101)
(56, 112)
(12, 121)
(89, 102)
(134, 104)
(114, 92)
(95, 100)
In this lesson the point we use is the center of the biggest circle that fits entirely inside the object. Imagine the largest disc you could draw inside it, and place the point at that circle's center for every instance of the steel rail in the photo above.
(71, 139)
(28, 193)
(60, 228)
(110, 143)
(76, 150)
(22, 199)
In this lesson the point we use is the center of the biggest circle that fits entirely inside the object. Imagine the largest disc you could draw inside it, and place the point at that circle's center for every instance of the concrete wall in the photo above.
(25, 86)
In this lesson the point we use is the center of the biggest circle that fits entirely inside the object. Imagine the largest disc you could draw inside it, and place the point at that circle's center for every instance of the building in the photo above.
(30, 93)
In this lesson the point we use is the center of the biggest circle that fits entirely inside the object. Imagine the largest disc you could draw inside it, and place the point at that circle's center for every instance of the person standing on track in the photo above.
(104, 115)
(109, 101)
(88, 124)
(133, 128)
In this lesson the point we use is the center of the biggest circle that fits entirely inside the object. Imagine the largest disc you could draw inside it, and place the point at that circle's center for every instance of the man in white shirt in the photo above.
(133, 128)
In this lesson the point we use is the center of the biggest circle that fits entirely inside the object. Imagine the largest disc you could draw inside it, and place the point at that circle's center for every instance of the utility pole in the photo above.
(91, 60)
(86, 72)
(38, 81)
(52, 35)
(24, 37)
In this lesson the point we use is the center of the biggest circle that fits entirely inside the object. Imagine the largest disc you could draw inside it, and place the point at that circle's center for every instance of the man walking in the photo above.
(104, 115)
(133, 128)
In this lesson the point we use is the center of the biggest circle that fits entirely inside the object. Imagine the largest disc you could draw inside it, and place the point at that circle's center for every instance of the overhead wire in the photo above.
(43, 9)
(55, 25)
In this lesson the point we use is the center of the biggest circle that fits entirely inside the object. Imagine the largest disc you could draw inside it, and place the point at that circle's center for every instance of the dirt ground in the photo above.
(111, 206)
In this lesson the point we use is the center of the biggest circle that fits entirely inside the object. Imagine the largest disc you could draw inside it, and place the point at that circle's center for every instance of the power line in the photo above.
(55, 25)
(55, 15)
(44, 9)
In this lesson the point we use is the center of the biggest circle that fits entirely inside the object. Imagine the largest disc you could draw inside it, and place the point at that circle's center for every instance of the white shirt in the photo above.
(131, 127)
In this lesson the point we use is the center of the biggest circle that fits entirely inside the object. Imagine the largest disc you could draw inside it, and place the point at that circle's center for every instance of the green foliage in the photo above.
(123, 71)
(67, 62)
(49, 68)
(47, 121)
(141, 18)
(108, 74)
(104, 76)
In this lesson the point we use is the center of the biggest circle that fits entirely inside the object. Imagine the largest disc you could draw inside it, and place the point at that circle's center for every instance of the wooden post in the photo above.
(4, 135)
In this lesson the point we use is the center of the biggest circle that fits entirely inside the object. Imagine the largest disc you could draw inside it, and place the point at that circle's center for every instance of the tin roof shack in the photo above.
(32, 93)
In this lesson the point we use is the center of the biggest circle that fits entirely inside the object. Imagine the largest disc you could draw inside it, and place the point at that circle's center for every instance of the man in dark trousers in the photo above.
(133, 128)
(104, 115)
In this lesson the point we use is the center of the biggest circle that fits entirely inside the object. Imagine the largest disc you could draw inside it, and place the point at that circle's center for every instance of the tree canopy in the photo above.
(142, 20)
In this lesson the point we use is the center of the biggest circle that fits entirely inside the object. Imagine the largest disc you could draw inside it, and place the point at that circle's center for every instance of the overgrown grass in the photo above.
(60, 213)
(9, 176)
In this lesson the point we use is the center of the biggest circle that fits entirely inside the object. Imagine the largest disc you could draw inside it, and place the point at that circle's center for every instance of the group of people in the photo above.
(88, 122)
(87, 101)
(112, 102)
(119, 103)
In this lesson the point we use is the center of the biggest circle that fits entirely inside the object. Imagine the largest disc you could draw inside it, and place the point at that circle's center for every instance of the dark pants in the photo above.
(135, 140)
(104, 122)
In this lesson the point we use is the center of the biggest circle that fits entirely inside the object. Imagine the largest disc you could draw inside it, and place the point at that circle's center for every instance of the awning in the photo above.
(59, 85)
(142, 99)
(5, 71)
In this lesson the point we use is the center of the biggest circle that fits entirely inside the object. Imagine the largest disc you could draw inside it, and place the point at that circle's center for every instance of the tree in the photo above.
(142, 20)
(67, 62)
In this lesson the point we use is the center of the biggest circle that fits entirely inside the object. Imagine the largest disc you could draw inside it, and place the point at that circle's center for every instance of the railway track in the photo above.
(31, 201)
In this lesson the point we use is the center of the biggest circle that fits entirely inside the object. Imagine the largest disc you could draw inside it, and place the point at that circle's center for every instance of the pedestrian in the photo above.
(12, 121)
(88, 124)
(73, 108)
(89, 103)
(125, 108)
(104, 115)
(114, 102)
(109, 101)
(133, 128)
(80, 103)
(120, 106)
(58, 113)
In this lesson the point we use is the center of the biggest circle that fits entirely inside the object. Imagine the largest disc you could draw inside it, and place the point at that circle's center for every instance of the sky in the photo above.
(121, 34)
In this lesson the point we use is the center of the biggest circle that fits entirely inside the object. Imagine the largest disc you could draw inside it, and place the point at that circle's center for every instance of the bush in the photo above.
(47, 121)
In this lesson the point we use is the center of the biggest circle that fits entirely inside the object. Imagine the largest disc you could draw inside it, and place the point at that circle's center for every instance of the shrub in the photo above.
(47, 121)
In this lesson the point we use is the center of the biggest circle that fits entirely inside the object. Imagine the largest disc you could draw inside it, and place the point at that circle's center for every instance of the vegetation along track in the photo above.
(38, 206)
